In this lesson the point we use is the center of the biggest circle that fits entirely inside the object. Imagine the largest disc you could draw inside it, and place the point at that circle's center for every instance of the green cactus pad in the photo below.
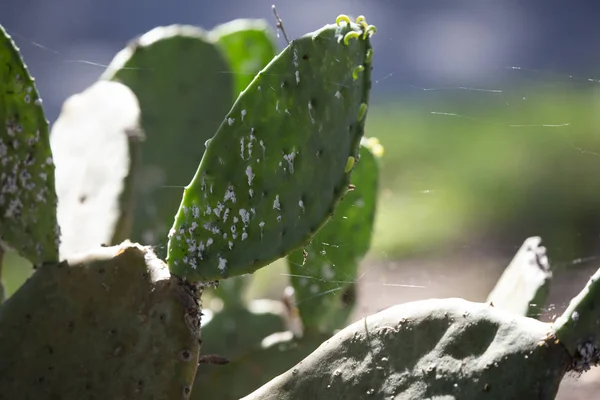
(578, 329)
(432, 349)
(248, 44)
(259, 365)
(523, 287)
(111, 324)
(185, 87)
(27, 196)
(274, 172)
(94, 142)
(324, 280)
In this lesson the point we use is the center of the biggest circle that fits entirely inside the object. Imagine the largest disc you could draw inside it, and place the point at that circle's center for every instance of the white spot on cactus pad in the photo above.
(301, 204)
(229, 194)
(245, 216)
(243, 114)
(222, 264)
(297, 77)
(338, 94)
(249, 174)
(276, 203)
(244, 236)
(290, 159)
(230, 121)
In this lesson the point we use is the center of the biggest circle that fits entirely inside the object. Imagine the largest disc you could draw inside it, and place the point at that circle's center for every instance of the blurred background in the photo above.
(488, 112)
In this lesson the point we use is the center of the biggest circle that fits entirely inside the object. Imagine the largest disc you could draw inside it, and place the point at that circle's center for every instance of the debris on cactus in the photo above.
(523, 287)
(578, 329)
(95, 196)
(110, 324)
(448, 348)
(323, 273)
(27, 195)
(275, 170)
(184, 86)
(248, 44)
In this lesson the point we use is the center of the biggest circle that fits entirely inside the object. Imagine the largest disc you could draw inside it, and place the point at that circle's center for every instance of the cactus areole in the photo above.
(275, 170)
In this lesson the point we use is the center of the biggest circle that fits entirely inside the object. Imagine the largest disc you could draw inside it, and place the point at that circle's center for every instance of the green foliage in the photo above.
(248, 44)
(324, 273)
(524, 285)
(449, 348)
(184, 88)
(299, 115)
(95, 197)
(27, 196)
(110, 324)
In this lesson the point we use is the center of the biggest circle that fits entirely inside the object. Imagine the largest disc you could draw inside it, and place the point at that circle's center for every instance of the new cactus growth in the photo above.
(184, 88)
(110, 324)
(27, 196)
(523, 287)
(285, 144)
(99, 124)
(323, 274)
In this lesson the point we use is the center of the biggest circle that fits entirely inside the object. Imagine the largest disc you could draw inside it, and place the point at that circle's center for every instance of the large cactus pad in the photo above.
(275, 170)
(323, 273)
(112, 324)
(185, 87)
(432, 349)
(27, 197)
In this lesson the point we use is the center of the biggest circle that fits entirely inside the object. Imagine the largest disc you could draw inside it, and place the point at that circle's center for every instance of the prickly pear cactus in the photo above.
(450, 348)
(95, 196)
(110, 324)
(27, 196)
(248, 44)
(184, 87)
(288, 144)
(523, 287)
(323, 274)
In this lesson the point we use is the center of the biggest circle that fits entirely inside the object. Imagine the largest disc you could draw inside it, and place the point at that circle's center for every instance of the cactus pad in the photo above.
(111, 324)
(248, 44)
(184, 87)
(523, 287)
(94, 142)
(432, 349)
(324, 280)
(27, 196)
(275, 170)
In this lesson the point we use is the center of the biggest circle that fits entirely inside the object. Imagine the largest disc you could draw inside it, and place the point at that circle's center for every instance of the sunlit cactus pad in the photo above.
(185, 87)
(324, 273)
(27, 197)
(432, 349)
(276, 168)
(94, 142)
(111, 324)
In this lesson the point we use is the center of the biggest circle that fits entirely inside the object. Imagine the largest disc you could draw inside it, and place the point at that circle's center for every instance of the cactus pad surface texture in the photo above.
(94, 142)
(324, 281)
(27, 196)
(431, 349)
(276, 168)
(110, 324)
(184, 87)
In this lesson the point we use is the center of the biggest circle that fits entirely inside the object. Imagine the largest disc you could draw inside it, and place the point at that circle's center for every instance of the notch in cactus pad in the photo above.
(27, 196)
(329, 265)
(276, 168)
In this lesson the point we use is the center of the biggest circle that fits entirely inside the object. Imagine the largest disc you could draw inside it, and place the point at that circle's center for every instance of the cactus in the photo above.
(448, 348)
(248, 45)
(523, 287)
(184, 88)
(110, 323)
(323, 274)
(27, 196)
(303, 113)
(96, 125)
